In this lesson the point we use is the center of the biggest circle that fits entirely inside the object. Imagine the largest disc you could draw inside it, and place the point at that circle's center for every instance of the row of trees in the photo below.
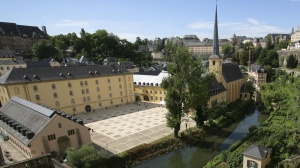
(96, 47)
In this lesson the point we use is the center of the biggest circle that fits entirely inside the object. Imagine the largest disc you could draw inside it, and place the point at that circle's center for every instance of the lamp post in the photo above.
(249, 47)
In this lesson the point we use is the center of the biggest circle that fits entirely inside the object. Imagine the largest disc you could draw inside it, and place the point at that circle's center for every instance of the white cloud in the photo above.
(251, 28)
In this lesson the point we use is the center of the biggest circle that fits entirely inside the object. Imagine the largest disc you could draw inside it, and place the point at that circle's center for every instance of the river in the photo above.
(197, 157)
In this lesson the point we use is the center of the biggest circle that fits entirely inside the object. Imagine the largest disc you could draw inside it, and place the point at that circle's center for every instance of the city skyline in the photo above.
(150, 19)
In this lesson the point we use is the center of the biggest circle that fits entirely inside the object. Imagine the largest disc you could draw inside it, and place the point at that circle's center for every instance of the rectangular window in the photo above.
(59, 125)
(51, 137)
(71, 132)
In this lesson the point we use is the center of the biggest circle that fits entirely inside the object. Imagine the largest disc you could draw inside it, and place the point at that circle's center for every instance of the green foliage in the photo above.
(292, 62)
(86, 157)
(252, 128)
(228, 50)
(42, 50)
(282, 44)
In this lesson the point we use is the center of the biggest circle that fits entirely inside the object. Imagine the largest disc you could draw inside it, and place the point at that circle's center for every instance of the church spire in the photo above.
(215, 51)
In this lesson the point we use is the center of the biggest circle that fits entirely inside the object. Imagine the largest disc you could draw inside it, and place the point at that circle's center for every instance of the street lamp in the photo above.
(249, 47)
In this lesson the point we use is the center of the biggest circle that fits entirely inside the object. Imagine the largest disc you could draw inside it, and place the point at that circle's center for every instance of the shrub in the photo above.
(252, 128)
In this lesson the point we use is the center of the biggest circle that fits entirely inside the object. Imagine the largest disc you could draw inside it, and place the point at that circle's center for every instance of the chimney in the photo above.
(44, 30)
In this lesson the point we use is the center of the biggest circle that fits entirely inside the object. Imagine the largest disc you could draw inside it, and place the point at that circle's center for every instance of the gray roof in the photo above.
(7, 54)
(12, 29)
(29, 116)
(27, 75)
(11, 62)
(257, 151)
(216, 87)
(244, 89)
(35, 64)
(231, 72)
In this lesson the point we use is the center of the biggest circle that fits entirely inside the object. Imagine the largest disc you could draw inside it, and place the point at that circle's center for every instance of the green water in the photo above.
(197, 157)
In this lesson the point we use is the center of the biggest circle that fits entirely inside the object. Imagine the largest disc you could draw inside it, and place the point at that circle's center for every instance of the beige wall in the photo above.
(203, 49)
(154, 93)
(233, 90)
(37, 147)
(121, 92)
(261, 163)
(215, 66)
(295, 37)
(221, 97)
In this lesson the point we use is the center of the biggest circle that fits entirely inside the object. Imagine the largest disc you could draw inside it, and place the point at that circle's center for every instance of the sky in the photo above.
(129, 19)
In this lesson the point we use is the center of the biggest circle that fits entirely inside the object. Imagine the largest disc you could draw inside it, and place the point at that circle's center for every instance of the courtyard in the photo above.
(118, 129)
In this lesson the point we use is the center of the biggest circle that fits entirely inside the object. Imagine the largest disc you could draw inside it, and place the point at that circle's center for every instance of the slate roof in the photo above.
(29, 116)
(31, 32)
(231, 72)
(9, 29)
(11, 62)
(216, 87)
(35, 64)
(12, 29)
(244, 89)
(27, 75)
(7, 53)
(257, 151)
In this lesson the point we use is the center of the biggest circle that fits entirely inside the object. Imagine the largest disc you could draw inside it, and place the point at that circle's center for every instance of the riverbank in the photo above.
(198, 137)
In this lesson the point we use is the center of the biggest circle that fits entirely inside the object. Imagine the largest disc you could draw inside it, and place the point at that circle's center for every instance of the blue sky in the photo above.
(156, 18)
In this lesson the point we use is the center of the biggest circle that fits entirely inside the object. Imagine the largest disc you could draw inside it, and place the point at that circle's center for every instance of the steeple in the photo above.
(215, 51)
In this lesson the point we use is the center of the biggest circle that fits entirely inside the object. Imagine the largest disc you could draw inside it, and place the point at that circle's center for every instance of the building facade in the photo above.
(295, 36)
(256, 156)
(19, 37)
(259, 75)
(8, 61)
(36, 130)
(70, 89)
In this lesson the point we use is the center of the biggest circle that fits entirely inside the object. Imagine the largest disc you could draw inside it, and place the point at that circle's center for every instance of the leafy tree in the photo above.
(269, 44)
(292, 62)
(186, 87)
(85, 157)
(282, 44)
(42, 50)
(227, 50)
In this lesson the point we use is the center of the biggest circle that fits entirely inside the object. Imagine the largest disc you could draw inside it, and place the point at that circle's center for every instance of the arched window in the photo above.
(87, 91)
(55, 95)
(100, 104)
(17, 91)
(121, 100)
(119, 79)
(71, 93)
(88, 98)
(84, 99)
(35, 88)
(85, 83)
(74, 109)
(120, 86)
(81, 83)
(69, 85)
(111, 102)
(57, 103)
(108, 80)
(121, 93)
(214, 62)
(98, 89)
(53, 86)
(97, 82)
(37, 97)
(82, 91)
(72, 101)
(99, 97)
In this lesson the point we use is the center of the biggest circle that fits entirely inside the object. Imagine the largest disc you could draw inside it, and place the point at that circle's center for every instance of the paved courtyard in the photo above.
(118, 129)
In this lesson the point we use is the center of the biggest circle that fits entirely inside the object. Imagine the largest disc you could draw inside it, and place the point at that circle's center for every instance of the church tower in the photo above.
(215, 60)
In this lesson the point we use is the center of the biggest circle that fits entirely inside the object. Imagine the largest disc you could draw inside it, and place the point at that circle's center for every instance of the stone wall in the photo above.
(283, 54)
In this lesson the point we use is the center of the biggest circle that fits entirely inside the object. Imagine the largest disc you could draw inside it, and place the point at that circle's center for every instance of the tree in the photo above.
(292, 62)
(43, 50)
(185, 86)
(226, 49)
(282, 44)
(85, 157)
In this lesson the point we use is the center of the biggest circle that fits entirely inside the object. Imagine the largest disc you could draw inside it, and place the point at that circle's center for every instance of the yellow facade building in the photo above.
(69, 89)
(147, 87)
(36, 130)
(256, 156)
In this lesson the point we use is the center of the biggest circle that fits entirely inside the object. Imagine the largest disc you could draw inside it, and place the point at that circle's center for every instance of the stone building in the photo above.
(36, 130)
(70, 89)
(20, 38)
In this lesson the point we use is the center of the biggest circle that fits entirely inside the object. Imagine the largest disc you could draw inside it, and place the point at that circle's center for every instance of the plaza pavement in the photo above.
(118, 129)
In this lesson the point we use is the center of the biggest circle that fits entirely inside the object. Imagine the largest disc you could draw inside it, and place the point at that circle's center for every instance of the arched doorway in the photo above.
(88, 108)
(146, 98)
